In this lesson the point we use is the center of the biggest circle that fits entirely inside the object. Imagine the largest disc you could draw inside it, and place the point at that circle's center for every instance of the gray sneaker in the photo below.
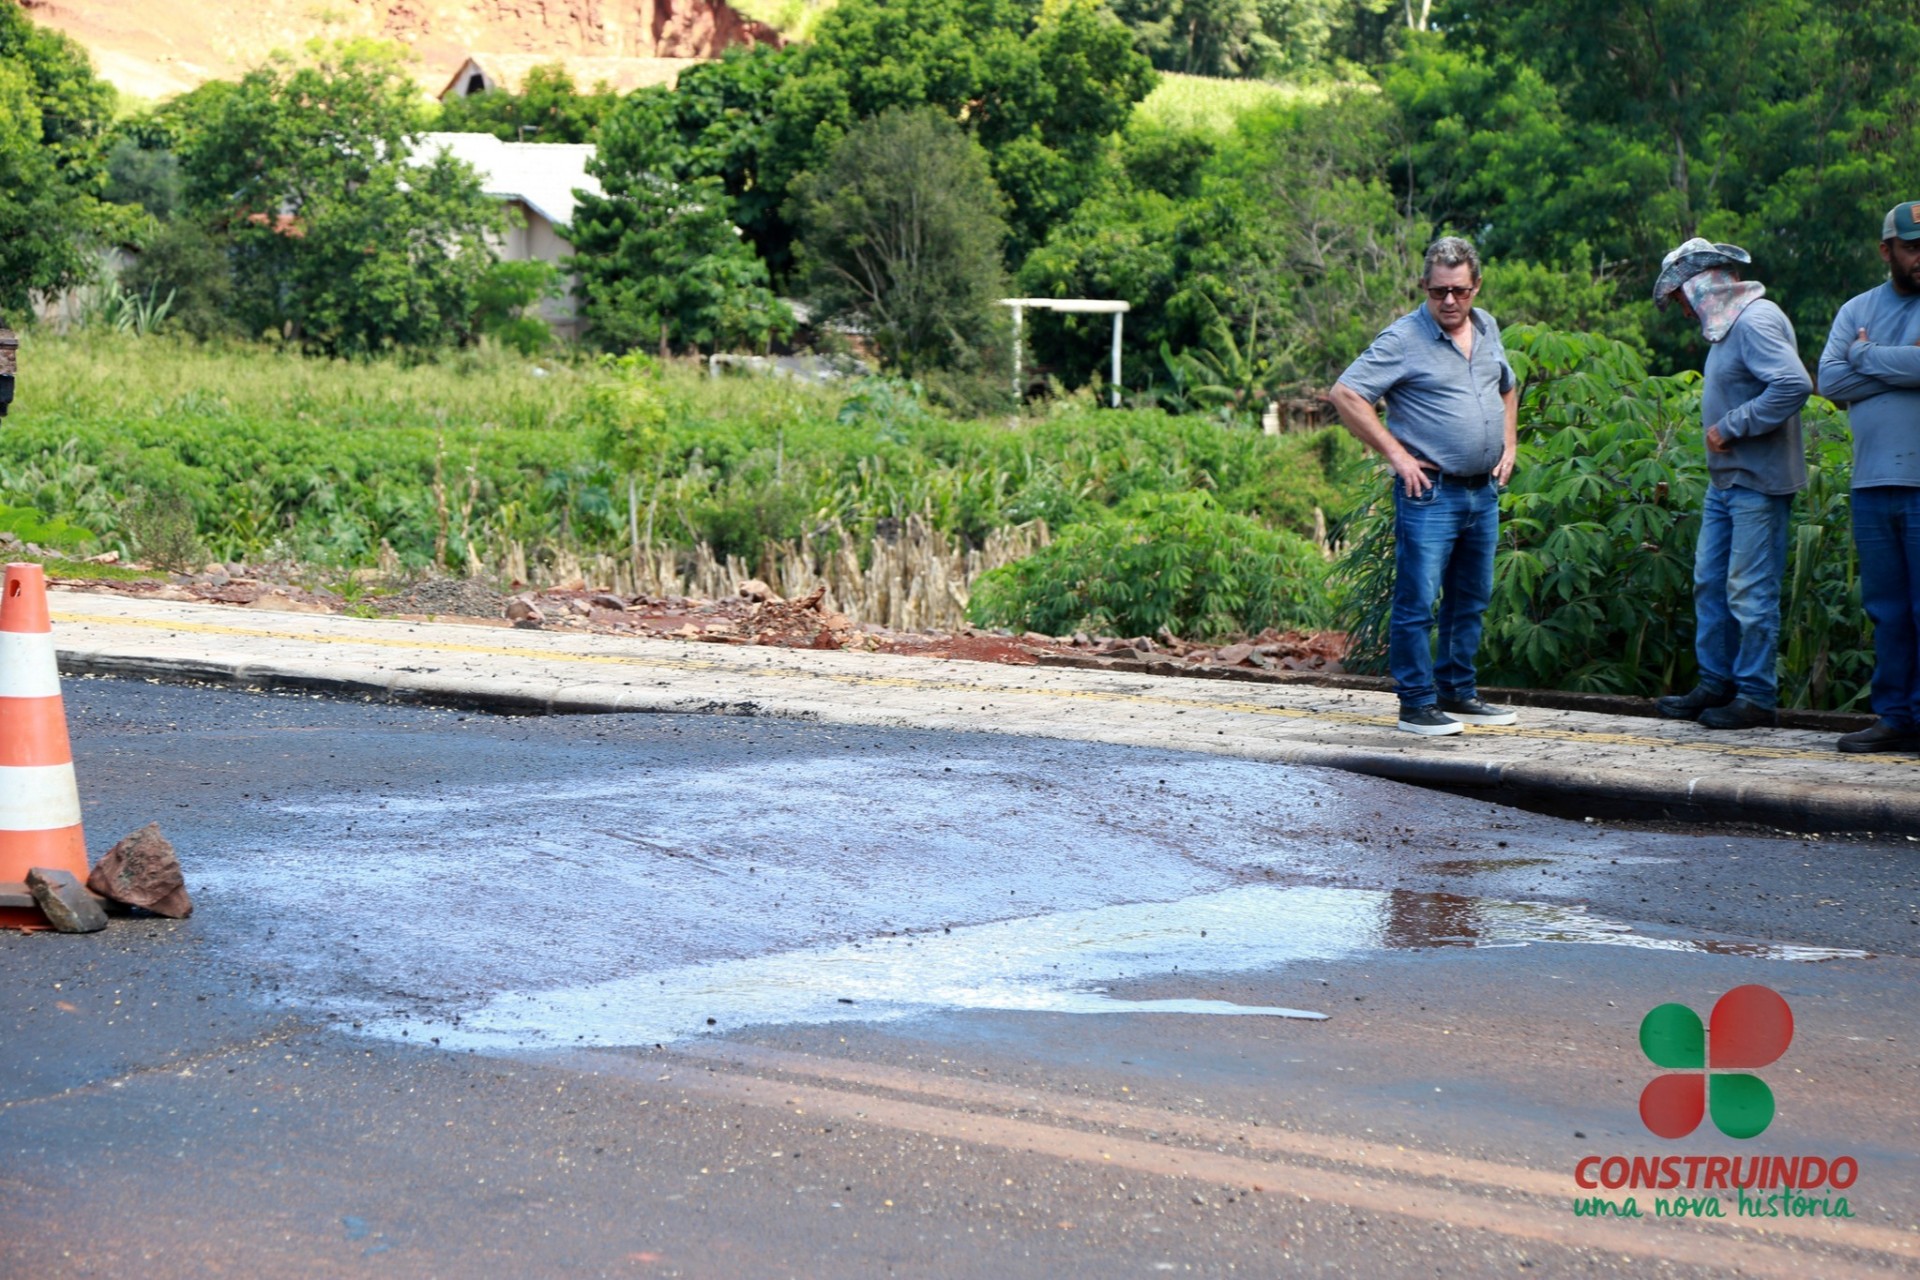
(1474, 711)
(1428, 721)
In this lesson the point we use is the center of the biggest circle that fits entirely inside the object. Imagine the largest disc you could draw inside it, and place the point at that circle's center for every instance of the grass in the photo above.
(81, 570)
(1207, 103)
(99, 377)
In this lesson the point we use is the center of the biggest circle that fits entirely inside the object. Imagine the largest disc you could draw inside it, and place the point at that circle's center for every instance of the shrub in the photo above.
(163, 527)
(1173, 560)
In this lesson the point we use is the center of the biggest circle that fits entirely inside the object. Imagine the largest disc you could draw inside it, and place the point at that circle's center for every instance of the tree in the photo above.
(901, 232)
(1041, 86)
(339, 237)
(1785, 125)
(509, 301)
(717, 122)
(183, 261)
(659, 259)
(548, 108)
(53, 116)
(1204, 37)
(1271, 265)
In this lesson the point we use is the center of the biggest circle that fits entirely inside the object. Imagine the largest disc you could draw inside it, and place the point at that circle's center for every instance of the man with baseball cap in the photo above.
(1871, 365)
(1750, 399)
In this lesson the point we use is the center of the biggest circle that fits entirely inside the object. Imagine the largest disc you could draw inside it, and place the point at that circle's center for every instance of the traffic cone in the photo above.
(39, 800)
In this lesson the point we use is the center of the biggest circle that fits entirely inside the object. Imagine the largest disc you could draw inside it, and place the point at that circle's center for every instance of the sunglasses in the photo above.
(1462, 291)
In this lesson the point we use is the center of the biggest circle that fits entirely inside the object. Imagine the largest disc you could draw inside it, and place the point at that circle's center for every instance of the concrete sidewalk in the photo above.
(1570, 761)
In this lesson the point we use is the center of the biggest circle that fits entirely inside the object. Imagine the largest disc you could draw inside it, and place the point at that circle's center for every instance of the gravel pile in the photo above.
(460, 597)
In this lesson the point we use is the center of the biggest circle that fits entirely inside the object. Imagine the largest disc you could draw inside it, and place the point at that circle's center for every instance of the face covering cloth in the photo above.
(1717, 298)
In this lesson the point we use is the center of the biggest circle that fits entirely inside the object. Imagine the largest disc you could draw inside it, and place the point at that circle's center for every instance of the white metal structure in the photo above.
(1101, 306)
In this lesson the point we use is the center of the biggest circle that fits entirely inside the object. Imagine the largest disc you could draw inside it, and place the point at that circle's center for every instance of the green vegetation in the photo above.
(279, 456)
(1261, 232)
(337, 240)
(1259, 37)
(1162, 560)
(53, 162)
(549, 107)
(793, 19)
(902, 229)
(1207, 104)
(661, 265)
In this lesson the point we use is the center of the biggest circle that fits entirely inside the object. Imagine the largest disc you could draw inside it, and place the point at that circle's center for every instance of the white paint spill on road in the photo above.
(1056, 963)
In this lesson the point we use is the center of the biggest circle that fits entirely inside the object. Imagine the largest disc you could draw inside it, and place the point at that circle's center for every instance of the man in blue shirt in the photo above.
(1871, 365)
(1452, 410)
(1750, 398)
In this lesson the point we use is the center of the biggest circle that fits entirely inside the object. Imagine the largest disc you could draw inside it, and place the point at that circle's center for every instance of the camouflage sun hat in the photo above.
(1689, 260)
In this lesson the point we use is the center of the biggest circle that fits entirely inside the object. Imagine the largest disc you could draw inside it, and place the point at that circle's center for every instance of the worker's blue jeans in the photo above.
(1443, 546)
(1738, 566)
(1886, 529)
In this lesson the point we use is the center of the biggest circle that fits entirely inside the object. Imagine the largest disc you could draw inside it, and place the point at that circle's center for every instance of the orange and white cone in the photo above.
(39, 799)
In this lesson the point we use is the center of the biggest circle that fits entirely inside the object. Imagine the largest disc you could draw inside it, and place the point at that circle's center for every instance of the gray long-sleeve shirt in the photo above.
(1753, 390)
(1879, 382)
(1446, 408)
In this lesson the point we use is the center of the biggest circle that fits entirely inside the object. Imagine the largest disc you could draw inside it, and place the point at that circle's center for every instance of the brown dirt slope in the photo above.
(154, 48)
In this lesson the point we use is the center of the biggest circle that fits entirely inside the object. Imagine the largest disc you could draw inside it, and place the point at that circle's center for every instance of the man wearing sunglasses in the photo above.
(1449, 436)
(1750, 397)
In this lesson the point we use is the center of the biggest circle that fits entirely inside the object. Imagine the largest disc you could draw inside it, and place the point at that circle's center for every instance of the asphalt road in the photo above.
(703, 996)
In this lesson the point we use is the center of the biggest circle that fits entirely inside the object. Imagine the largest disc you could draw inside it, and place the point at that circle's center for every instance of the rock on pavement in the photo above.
(67, 907)
(142, 871)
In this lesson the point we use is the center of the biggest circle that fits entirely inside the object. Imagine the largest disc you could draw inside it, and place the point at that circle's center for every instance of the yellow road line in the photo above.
(1534, 732)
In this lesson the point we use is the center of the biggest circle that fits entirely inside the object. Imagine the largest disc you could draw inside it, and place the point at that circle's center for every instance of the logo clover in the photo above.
(1751, 1026)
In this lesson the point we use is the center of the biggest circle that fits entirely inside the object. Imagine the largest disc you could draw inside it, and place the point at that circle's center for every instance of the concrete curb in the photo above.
(1550, 786)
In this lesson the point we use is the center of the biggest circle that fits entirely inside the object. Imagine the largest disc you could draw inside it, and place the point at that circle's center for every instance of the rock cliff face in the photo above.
(151, 48)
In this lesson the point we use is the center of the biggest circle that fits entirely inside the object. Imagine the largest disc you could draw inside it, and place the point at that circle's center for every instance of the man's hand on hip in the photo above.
(1717, 442)
(1503, 469)
(1411, 474)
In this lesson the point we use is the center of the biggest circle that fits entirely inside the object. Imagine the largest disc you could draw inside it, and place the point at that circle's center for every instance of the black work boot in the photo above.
(1739, 714)
(1689, 705)
(1881, 735)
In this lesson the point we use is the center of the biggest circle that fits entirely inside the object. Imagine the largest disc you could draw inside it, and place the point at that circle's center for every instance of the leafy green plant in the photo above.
(54, 533)
(1173, 560)
(111, 305)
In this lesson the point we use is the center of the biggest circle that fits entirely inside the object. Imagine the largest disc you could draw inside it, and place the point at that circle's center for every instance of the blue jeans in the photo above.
(1738, 566)
(1443, 545)
(1886, 529)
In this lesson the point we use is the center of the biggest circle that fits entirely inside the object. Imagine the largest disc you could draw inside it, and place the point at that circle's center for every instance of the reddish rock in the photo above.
(141, 871)
(1233, 655)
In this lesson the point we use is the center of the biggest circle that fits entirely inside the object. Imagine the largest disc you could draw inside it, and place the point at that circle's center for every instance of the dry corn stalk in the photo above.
(921, 578)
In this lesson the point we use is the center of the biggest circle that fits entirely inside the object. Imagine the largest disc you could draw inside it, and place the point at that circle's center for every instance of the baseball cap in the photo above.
(1903, 221)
